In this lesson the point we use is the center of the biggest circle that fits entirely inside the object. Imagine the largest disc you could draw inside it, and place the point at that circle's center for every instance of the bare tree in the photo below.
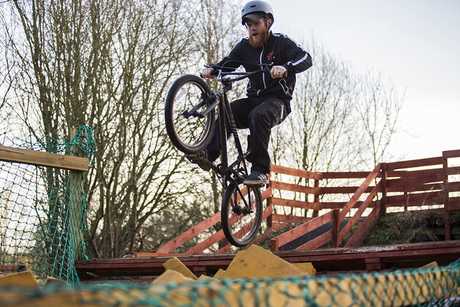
(337, 117)
(377, 112)
(217, 28)
(339, 121)
(106, 64)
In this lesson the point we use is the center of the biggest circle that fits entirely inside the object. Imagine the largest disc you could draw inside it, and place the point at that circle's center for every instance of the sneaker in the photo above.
(201, 159)
(256, 178)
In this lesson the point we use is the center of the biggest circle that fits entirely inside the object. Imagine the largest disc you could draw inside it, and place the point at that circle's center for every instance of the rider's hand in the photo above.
(278, 72)
(207, 73)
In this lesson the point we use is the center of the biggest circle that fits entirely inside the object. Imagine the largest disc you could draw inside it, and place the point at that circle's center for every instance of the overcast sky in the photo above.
(414, 43)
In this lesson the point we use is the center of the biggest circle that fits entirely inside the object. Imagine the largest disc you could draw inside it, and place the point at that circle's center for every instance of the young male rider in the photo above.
(268, 94)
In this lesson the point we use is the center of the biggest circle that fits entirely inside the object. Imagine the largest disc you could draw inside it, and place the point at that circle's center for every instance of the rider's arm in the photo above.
(298, 59)
(233, 59)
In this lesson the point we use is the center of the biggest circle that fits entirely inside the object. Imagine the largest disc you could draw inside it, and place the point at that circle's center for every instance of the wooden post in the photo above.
(316, 198)
(447, 230)
(270, 203)
(383, 180)
(335, 228)
(76, 190)
(307, 195)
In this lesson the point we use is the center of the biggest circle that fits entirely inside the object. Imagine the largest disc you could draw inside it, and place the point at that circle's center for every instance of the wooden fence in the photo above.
(331, 220)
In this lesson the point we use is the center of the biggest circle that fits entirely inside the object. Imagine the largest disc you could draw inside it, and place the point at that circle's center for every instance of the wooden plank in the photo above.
(199, 228)
(453, 186)
(446, 213)
(189, 234)
(339, 205)
(294, 203)
(342, 190)
(418, 173)
(414, 163)
(453, 170)
(300, 230)
(451, 153)
(359, 192)
(294, 172)
(363, 229)
(330, 260)
(267, 234)
(286, 219)
(413, 187)
(316, 199)
(352, 221)
(219, 235)
(293, 187)
(200, 247)
(38, 158)
(313, 205)
(454, 204)
(420, 199)
(317, 242)
(344, 175)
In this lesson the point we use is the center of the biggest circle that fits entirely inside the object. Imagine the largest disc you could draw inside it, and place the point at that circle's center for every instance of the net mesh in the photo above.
(43, 211)
(419, 287)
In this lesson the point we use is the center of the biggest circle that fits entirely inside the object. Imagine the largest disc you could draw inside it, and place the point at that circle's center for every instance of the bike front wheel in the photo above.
(241, 213)
(189, 123)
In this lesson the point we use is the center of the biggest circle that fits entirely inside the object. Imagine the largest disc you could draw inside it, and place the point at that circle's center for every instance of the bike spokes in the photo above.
(189, 117)
(241, 214)
(189, 126)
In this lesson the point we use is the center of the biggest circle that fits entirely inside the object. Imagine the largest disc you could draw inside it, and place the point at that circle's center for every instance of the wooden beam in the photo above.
(300, 230)
(363, 229)
(352, 221)
(293, 187)
(454, 204)
(451, 153)
(414, 163)
(438, 172)
(317, 242)
(419, 199)
(325, 260)
(38, 158)
(286, 219)
(343, 190)
(344, 175)
(295, 203)
(447, 186)
(189, 234)
(294, 172)
(453, 170)
(362, 189)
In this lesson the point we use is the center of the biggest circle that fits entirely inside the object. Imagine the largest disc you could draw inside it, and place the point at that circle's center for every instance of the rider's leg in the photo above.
(240, 109)
(269, 113)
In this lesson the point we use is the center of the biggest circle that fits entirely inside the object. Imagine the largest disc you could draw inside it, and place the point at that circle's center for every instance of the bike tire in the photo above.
(233, 237)
(172, 128)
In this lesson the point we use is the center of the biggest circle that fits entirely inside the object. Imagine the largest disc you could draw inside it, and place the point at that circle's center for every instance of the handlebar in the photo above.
(222, 75)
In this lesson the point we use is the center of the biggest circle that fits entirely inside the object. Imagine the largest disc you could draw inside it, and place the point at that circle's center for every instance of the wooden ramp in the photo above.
(326, 261)
(310, 210)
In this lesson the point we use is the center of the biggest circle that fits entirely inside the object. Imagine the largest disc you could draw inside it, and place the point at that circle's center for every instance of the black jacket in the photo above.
(279, 50)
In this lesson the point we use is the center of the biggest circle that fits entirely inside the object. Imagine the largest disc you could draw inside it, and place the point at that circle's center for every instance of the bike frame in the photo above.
(227, 125)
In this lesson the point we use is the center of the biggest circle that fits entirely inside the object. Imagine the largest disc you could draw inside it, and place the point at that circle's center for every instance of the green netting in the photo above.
(416, 287)
(43, 212)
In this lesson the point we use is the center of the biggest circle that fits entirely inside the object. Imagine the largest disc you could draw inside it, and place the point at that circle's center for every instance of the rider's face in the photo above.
(257, 31)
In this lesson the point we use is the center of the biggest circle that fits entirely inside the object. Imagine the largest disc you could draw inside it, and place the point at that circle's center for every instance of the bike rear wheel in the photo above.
(241, 213)
(189, 130)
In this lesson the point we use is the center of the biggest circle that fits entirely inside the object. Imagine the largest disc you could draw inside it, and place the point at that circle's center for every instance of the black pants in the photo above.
(259, 115)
